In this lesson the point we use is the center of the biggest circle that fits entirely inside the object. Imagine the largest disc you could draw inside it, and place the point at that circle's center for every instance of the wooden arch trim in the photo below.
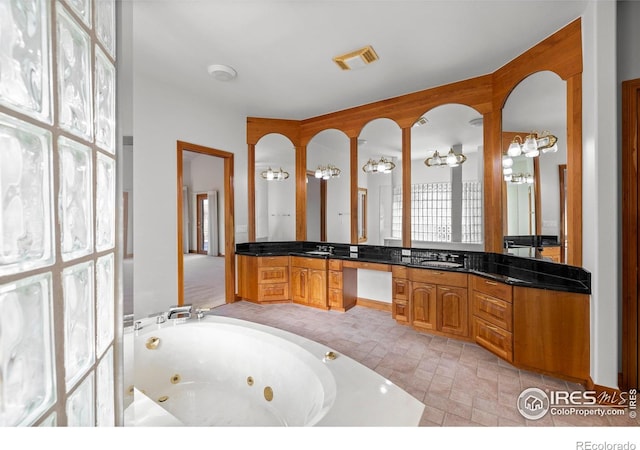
(229, 220)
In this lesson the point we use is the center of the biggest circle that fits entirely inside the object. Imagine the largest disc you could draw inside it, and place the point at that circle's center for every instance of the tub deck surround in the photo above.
(508, 269)
(255, 375)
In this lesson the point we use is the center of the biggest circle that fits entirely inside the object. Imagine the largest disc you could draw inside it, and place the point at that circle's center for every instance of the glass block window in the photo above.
(79, 346)
(27, 387)
(83, 9)
(76, 198)
(431, 212)
(472, 211)
(431, 205)
(106, 25)
(26, 223)
(80, 410)
(396, 213)
(25, 81)
(75, 104)
(59, 277)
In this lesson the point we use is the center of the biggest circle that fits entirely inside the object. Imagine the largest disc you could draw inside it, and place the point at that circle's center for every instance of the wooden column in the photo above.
(354, 188)
(251, 191)
(406, 187)
(574, 170)
(301, 193)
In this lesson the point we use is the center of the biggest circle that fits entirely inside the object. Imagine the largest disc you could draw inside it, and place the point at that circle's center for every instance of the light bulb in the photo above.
(436, 161)
(318, 173)
(269, 174)
(507, 171)
(507, 161)
(552, 149)
(514, 149)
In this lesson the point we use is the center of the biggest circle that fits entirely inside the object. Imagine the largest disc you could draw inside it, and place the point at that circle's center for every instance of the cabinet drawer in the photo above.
(399, 271)
(439, 277)
(273, 275)
(493, 288)
(309, 263)
(367, 266)
(335, 264)
(493, 310)
(493, 338)
(400, 311)
(273, 261)
(401, 288)
(335, 280)
(273, 292)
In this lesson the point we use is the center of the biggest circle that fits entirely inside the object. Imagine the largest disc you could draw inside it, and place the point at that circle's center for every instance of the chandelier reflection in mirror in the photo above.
(533, 144)
(274, 175)
(327, 172)
(452, 159)
(382, 166)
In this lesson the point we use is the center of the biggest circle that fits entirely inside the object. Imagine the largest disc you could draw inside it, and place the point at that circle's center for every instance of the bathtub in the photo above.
(220, 371)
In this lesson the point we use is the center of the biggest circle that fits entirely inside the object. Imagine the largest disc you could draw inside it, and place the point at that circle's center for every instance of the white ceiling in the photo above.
(283, 50)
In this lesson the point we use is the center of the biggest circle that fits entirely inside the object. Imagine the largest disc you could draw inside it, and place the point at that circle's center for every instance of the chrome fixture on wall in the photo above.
(452, 159)
(533, 144)
(326, 172)
(518, 178)
(274, 175)
(381, 166)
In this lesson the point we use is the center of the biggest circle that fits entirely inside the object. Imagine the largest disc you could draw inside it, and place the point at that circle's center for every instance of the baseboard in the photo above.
(606, 395)
(373, 304)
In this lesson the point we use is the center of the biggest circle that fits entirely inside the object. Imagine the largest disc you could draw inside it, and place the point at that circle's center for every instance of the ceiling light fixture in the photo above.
(477, 122)
(382, 166)
(356, 59)
(274, 175)
(222, 72)
(452, 159)
(533, 144)
(327, 172)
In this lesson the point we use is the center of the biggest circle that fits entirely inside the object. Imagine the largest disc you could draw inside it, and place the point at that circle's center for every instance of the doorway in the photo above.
(316, 208)
(202, 205)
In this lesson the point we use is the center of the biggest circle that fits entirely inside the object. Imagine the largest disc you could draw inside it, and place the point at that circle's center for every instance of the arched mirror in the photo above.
(534, 144)
(380, 177)
(275, 189)
(328, 187)
(447, 179)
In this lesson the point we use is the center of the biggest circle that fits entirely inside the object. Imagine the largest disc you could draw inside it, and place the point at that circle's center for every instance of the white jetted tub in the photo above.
(219, 371)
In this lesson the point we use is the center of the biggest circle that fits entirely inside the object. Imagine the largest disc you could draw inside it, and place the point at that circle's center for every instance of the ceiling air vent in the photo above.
(356, 59)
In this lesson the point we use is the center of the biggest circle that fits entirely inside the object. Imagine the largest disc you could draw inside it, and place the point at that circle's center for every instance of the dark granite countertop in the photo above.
(509, 269)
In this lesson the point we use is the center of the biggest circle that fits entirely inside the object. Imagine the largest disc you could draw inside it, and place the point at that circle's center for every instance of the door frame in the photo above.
(630, 377)
(229, 222)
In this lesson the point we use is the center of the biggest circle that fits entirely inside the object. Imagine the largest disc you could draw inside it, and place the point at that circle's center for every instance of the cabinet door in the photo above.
(400, 289)
(453, 310)
(299, 284)
(317, 289)
(423, 299)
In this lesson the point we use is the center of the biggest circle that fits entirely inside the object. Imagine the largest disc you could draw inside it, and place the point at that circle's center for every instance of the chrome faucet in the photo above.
(183, 311)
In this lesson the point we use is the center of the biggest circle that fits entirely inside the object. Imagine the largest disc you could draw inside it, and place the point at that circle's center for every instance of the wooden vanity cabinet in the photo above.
(493, 316)
(439, 302)
(309, 281)
(401, 290)
(551, 332)
(263, 279)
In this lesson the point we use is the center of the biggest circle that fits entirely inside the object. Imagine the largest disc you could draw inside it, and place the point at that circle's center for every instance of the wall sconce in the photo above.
(274, 175)
(518, 178)
(382, 166)
(533, 144)
(450, 160)
(326, 172)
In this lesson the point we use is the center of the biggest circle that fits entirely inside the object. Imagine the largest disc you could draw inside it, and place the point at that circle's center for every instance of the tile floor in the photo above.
(460, 383)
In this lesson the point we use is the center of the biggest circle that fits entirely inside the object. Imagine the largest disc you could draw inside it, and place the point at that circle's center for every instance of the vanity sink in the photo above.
(318, 252)
(442, 264)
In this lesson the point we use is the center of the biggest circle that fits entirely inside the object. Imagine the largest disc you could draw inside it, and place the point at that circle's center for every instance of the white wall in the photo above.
(164, 115)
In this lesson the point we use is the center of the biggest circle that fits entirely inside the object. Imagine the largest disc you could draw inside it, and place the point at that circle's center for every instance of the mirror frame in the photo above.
(560, 53)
